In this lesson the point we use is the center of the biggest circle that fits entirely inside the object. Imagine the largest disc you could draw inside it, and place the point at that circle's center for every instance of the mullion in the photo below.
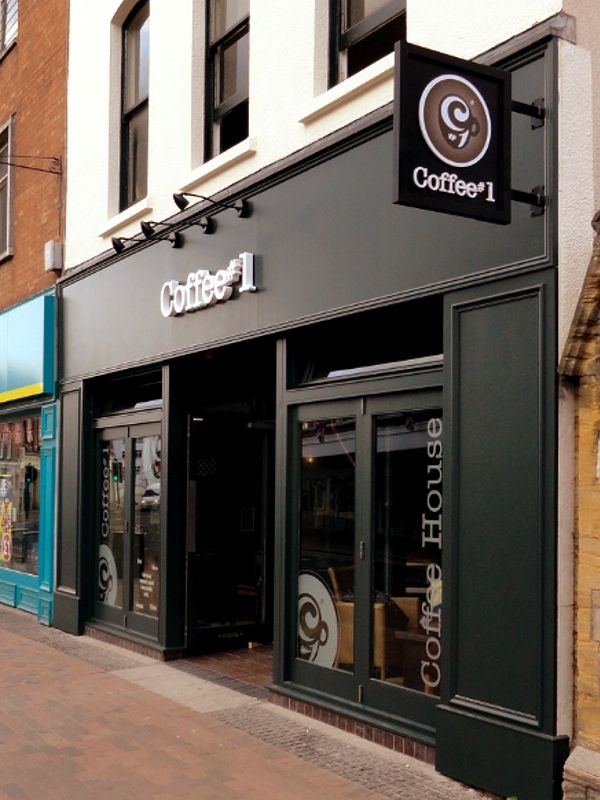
(228, 105)
(128, 544)
(370, 23)
(234, 31)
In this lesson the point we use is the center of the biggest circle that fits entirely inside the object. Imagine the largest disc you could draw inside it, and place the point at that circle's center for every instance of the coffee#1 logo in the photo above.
(455, 120)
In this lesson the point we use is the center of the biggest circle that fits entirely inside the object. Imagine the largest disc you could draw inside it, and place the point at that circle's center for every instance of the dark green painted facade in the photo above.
(332, 249)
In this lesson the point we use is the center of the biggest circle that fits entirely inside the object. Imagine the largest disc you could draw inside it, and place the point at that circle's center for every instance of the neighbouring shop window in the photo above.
(407, 571)
(327, 518)
(20, 494)
(134, 114)
(363, 32)
(227, 85)
(9, 21)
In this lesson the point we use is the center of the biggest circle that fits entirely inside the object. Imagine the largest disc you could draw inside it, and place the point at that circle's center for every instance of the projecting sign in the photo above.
(451, 135)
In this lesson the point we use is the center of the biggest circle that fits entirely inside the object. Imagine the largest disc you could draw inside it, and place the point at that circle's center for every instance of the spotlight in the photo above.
(118, 242)
(242, 207)
(148, 229)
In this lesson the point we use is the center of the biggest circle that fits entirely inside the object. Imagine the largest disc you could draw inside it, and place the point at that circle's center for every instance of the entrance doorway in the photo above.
(229, 530)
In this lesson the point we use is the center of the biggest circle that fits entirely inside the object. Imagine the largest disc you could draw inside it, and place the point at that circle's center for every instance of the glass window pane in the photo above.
(112, 523)
(233, 127)
(357, 10)
(4, 154)
(137, 48)
(146, 526)
(407, 579)
(327, 517)
(137, 155)
(234, 68)
(20, 494)
(225, 14)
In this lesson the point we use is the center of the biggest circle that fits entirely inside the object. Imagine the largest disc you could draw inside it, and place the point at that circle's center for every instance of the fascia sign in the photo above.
(203, 288)
(452, 135)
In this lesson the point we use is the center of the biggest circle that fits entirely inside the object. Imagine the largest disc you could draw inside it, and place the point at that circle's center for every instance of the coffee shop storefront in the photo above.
(331, 424)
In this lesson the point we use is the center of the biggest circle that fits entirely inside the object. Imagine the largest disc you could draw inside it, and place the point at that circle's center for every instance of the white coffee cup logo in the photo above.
(455, 121)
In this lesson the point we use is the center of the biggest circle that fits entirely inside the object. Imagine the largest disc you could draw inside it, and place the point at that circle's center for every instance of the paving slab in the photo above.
(84, 719)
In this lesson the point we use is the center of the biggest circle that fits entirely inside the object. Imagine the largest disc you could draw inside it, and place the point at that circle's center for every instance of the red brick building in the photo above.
(33, 69)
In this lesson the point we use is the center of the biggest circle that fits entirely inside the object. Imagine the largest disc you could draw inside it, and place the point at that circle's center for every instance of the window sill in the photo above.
(6, 255)
(219, 163)
(4, 51)
(359, 84)
(128, 215)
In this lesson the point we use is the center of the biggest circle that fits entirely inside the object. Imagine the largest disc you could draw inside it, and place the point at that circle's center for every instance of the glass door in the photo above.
(366, 510)
(129, 528)
(405, 537)
(325, 513)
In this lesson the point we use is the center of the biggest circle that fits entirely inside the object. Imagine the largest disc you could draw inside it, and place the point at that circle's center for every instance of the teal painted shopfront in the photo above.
(27, 455)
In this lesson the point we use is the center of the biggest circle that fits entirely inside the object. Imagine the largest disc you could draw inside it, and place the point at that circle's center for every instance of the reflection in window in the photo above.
(20, 494)
(407, 572)
(9, 21)
(367, 30)
(146, 528)
(111, 548)
(227, 87)
(134, 144)
(327, 516)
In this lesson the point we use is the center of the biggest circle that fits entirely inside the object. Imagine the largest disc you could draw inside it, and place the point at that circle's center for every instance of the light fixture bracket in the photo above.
(241, 207)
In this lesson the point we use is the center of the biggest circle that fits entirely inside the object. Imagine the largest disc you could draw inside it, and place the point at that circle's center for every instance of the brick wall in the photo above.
(587, 682)
(582, 770)
(33, 89)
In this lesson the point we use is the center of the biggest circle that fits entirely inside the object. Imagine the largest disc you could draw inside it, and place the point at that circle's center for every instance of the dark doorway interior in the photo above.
(230, 500)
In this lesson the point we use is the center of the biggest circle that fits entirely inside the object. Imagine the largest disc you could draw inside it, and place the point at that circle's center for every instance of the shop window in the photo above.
(372, 341)
(407, 538)
(363, 31)
(6, 179)
(134, 107)
(20, 494)
(369, 505)
(327, 528)
(227, 90)
(131, 393)
(9, 21)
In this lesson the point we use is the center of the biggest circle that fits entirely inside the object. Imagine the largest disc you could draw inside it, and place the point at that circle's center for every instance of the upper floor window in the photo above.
(134, 107)
(9, 22)
(227, 89)
(363, 31)
(6, 175)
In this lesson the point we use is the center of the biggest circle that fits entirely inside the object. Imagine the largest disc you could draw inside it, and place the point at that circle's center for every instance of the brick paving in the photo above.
(85, 720)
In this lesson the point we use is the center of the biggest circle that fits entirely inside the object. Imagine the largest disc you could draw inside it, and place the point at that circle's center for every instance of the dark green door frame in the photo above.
(410, 389)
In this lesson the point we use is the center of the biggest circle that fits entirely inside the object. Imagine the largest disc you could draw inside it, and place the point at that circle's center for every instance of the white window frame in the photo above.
(9, 23)
(8, 182)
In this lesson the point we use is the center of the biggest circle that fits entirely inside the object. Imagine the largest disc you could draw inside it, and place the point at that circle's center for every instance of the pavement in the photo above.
(85, 720)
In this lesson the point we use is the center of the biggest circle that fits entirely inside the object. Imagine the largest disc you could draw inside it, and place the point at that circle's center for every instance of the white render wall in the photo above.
(289, 104)
(290, 108)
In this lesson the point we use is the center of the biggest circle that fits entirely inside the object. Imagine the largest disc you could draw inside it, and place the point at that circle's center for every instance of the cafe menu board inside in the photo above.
(451, 135)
